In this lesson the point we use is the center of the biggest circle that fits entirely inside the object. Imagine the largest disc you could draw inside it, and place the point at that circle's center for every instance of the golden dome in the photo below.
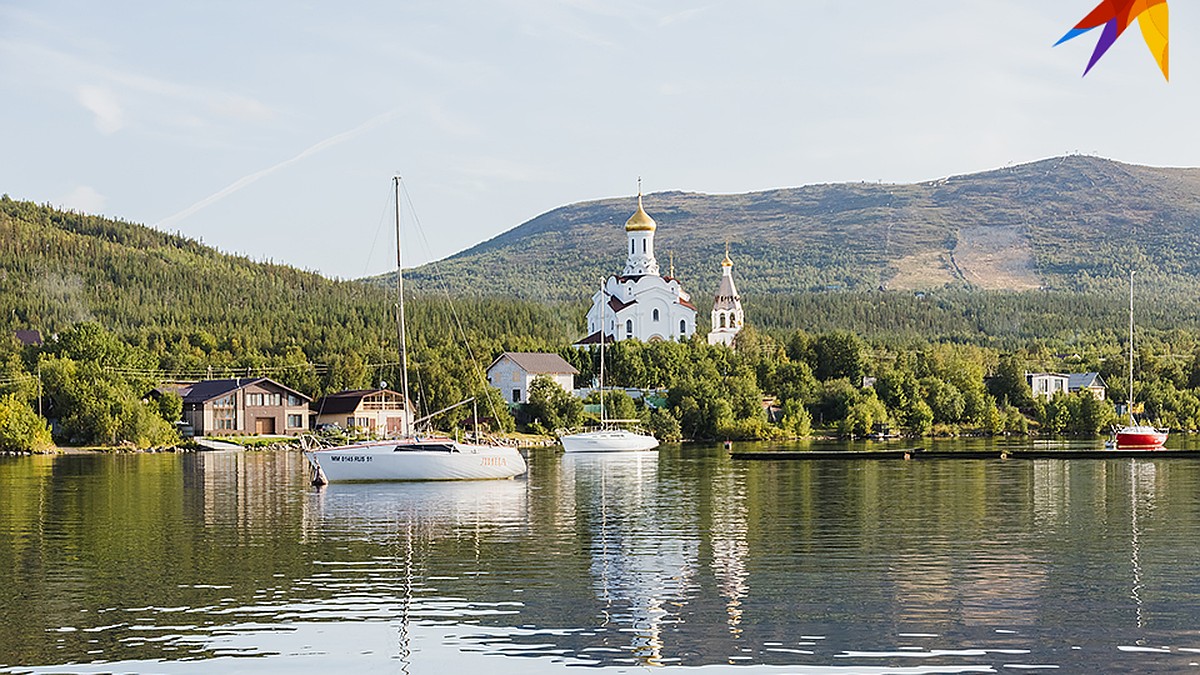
(726, 262)
(640, 220)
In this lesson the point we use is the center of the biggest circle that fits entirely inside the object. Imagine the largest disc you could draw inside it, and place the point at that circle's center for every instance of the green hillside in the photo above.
(1071, 223)
(197, 308)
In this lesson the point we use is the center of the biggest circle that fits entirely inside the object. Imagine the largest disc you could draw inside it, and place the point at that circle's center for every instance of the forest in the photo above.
(123, 308)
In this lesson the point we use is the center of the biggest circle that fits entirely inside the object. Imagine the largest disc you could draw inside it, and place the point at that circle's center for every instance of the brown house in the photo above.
(377, 411)
(244, 406)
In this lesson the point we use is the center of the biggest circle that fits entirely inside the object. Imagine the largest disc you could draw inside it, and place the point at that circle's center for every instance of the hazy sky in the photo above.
(272, 129)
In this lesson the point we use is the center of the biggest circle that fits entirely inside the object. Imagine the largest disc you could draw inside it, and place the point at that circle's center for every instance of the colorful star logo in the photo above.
(1115, 16)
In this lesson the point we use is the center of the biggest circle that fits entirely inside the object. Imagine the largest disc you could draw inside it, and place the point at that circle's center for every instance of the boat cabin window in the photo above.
(434, 447)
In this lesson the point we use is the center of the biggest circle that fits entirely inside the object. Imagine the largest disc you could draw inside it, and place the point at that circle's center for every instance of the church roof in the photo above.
(615, 304)
(594, 339)
(727, 296)
(640, 220)
(687, 303)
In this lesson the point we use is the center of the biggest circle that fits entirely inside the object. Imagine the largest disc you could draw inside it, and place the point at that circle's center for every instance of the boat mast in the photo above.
(1129, 403)
(408, 414)
(602, 304)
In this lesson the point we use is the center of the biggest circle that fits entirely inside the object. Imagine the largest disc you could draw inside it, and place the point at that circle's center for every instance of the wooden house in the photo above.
(380, 412)
(244, 406)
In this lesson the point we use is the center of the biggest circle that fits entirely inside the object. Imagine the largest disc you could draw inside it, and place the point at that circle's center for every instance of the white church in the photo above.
(644, 305)
(640, 303)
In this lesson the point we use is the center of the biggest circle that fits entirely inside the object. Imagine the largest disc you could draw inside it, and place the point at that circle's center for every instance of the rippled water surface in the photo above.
(677, 560)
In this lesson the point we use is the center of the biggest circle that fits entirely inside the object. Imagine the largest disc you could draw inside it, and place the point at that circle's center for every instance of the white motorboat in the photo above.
(608, 438)
(413, 457)
(416, 459)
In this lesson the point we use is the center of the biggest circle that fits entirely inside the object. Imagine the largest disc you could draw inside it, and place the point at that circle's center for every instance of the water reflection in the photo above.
(677, 559)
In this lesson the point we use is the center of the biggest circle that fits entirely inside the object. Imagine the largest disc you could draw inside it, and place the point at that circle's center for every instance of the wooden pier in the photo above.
(923, 454)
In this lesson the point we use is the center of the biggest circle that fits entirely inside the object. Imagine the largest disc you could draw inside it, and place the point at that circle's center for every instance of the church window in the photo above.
(631, 243)
(682, 326)
(722, 321)
(628, 328)
(643, 246)
(656, 315)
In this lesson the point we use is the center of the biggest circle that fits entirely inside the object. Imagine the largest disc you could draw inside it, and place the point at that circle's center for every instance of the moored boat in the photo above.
(1140, 436)
(608, 440)
(413, 457)
(1134, 435)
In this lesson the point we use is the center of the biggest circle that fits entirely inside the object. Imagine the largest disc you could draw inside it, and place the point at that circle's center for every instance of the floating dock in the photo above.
(923, 454)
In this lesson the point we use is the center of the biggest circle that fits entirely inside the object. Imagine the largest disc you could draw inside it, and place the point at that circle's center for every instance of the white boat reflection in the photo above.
(643, 548)
(374, 507)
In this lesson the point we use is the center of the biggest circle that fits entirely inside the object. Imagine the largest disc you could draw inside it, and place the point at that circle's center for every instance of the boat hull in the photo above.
(1140, 437)
(446, 461)
(613, 440)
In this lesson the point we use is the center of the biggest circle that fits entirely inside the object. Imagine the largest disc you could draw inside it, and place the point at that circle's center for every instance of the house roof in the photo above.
(207, 390)
(1084, 381)
(538, 363)
(345, 401)
(29, 337)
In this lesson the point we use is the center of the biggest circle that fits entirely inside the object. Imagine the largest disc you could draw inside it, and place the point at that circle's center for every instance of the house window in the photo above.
(225, 413)
(516, 395)
(293, 400)
(295, 421)
(628, 328)
(656, 315)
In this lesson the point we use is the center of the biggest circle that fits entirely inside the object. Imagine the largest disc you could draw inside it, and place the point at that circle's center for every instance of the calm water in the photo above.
(231, 562)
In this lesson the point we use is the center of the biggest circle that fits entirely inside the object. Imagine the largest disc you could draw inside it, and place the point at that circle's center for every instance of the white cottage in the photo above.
(640, 303)
(513, 372)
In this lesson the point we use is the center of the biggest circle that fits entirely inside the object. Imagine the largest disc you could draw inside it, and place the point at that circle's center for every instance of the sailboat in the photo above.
(609, 437)
(413, 457)
(1134, 435)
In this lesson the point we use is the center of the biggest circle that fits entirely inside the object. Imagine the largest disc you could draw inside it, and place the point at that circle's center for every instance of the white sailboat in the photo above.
(1134, 435)
(610, 437)
(413, 457)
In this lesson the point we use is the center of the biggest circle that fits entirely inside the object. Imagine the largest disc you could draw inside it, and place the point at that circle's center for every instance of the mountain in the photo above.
(1073, 223)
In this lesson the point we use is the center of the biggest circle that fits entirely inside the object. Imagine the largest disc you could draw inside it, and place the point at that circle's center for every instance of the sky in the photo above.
(273, 129)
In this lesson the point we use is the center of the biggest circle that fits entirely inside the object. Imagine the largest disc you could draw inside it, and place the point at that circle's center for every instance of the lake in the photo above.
(679, 561)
